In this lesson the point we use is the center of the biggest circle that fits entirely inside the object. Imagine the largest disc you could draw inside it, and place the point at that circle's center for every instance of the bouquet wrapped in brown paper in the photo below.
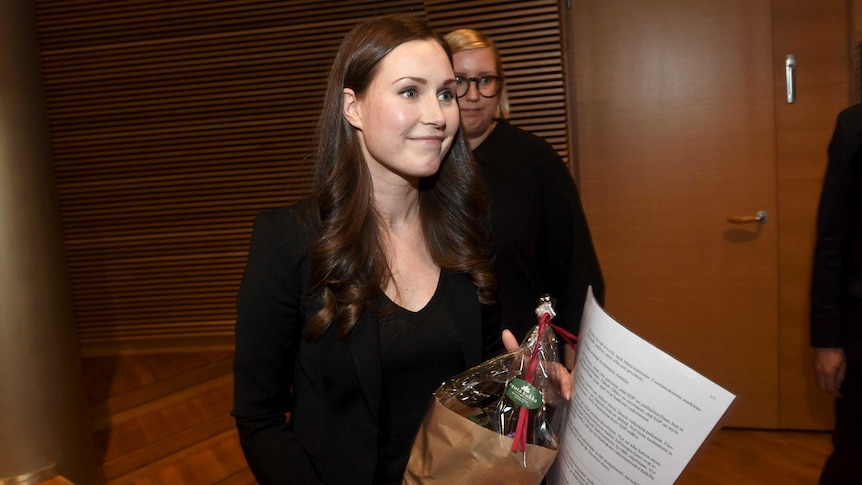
(492, 424)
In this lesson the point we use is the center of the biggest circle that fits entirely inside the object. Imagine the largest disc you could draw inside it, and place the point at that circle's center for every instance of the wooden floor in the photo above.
(164, 419)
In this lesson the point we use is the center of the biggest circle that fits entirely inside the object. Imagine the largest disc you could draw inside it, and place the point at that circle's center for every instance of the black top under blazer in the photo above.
(330, 387)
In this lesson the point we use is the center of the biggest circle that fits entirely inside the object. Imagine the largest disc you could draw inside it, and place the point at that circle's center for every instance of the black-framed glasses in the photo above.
(488, 86)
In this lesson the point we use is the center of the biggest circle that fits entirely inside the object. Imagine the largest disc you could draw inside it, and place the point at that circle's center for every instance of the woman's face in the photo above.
(477, 111)
(408, 116)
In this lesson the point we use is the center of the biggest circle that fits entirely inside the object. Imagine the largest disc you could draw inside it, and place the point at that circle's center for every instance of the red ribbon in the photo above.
(519, 442)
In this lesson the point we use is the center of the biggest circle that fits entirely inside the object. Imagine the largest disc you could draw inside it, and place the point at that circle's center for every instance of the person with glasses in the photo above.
(542, 234)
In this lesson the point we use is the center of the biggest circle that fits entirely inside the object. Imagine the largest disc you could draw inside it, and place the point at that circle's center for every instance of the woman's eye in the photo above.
(484, 80)
(460, 80)
(409, 93)
(446, 96)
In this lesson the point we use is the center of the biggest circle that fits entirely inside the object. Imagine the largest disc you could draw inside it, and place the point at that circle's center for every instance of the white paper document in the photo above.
(637, 415)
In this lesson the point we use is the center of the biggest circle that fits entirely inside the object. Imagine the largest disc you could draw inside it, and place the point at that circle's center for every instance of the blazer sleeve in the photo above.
(492, 313)
(567, 246)
(268, 332)
(836, 215)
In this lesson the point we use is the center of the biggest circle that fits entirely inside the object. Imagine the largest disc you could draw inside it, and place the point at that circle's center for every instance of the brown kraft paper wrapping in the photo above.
(450, 450)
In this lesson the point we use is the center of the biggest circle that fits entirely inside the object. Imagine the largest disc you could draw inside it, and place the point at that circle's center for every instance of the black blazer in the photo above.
(543, 239)
(836, 290)
(331, 387)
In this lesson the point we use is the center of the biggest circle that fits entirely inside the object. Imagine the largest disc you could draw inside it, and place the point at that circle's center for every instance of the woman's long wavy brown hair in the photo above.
(348, 266)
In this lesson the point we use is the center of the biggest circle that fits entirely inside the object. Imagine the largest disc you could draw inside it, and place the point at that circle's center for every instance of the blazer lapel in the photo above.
(364, 343)
(468, 316)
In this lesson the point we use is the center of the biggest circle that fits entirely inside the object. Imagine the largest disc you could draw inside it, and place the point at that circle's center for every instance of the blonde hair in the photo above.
(468, 39)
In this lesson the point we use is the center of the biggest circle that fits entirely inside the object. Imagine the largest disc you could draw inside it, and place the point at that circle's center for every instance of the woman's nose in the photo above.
(433, 113)
(472, 91)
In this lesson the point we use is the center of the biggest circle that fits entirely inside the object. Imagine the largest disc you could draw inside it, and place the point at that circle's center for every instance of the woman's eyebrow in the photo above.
(420, 80)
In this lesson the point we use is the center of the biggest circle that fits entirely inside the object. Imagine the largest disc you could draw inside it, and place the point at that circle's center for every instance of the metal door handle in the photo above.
(790, 77)
(760, 217)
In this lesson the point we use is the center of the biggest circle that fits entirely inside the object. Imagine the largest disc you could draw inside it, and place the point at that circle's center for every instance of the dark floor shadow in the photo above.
(98, 374)
(739, 235)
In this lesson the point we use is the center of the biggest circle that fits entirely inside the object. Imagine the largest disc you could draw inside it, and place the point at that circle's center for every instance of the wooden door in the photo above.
(676, 133)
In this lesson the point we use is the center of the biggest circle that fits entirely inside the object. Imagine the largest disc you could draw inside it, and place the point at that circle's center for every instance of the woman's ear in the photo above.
(350, 108)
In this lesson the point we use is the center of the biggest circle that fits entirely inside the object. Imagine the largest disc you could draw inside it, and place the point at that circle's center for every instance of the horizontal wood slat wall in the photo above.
(174, 123)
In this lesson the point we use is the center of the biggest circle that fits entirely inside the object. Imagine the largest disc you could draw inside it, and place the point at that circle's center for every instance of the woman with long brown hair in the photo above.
(357, 302)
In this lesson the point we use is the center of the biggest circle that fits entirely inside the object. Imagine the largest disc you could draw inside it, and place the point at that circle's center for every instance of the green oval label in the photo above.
(524, 394)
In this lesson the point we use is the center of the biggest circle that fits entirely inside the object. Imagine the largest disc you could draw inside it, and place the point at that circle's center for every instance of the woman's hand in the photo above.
(563, 378)
(558, 372)
(509, 341)
(829, 363)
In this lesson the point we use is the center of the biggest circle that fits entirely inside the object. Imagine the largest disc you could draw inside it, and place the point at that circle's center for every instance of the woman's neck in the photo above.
(397, 207)
(477, 140)
(413, 273)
